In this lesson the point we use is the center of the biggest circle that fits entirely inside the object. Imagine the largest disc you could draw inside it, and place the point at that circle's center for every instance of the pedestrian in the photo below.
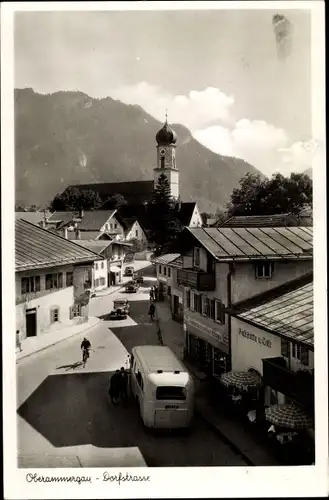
(123, 385)
(114, 387)
(152, 311)
(18, 340)
(151, 294)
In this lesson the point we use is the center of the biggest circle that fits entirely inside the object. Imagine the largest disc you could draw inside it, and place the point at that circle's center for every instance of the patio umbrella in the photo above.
(288, 416)
(243, 381)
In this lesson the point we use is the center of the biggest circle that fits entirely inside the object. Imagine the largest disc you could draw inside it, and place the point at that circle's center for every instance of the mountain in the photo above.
(70, 138)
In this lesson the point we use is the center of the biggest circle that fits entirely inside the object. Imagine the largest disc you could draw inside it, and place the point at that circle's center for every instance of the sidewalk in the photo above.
(31, 345)
(239, 437)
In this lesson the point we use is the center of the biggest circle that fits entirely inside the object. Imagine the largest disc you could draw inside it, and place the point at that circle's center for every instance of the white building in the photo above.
(273, 334)
(223, 266)
(53, 276)
(168, 286)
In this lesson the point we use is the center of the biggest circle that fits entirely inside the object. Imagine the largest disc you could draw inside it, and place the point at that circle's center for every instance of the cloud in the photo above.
(195, 110)
(256, 141)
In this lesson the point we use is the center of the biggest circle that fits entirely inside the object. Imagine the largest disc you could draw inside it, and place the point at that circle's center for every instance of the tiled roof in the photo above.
(93, 220)
(33, 217)
(166, 259)
(278, 220)
(96, 246)
(289, 315)
(61, 217)
(37, 248)
(89, 235)
(242, 244)
(177, 262)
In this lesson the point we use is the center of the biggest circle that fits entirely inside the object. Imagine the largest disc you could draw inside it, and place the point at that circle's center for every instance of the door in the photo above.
(176, 305)
(31, 322)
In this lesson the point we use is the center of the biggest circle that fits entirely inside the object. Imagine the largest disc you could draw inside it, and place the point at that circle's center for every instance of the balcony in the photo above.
(298, 386)
(198, 280)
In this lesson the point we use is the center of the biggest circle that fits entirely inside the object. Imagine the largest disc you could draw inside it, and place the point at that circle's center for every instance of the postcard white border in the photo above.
(166, 482)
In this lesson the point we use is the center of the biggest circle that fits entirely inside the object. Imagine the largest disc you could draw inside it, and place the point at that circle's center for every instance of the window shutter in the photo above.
(199, 303)
(285, 348)
(212, 309)
(304, 356)
(71, 312)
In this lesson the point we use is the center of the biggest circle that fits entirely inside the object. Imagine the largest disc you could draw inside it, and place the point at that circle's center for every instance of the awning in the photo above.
(115, 269)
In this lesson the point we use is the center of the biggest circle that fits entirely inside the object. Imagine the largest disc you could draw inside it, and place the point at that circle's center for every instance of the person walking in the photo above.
(152, 311)
(155, 292)
(114, 387)
(151, 293)
(123, 385)
(18, 341)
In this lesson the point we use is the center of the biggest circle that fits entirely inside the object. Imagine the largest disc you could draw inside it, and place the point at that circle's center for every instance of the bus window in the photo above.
(139, 379)
(167, 393)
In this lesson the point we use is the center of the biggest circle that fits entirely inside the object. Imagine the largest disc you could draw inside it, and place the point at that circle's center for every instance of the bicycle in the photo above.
(85, 356)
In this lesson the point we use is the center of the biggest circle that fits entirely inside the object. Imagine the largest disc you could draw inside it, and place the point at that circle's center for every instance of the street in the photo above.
(61, 404)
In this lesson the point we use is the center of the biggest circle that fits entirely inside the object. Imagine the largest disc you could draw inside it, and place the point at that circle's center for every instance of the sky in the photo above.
(217, 72)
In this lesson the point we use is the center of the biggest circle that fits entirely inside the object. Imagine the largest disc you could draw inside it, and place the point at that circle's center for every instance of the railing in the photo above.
(199, 280)
(297, 386)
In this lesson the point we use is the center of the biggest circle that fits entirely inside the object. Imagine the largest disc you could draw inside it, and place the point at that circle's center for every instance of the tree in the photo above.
(75, 199)
(277, 195)
(163, 217)
(115, 201)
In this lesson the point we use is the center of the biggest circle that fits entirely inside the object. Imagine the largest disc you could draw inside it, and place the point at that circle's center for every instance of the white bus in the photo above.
(162, 387)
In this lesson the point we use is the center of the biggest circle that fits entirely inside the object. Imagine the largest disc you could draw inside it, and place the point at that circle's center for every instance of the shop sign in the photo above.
(205, 329)
(260, 340)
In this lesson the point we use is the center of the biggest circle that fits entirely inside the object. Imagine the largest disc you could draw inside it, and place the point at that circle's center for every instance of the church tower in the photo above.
(166, 158)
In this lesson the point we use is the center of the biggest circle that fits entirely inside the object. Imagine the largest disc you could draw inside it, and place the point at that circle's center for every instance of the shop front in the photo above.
(206, 346)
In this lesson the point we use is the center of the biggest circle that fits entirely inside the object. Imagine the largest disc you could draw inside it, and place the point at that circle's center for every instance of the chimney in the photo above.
(65, 233)
(44, 220)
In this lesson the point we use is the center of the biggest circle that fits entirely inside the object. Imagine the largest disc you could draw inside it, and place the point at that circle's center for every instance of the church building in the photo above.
(139, 193)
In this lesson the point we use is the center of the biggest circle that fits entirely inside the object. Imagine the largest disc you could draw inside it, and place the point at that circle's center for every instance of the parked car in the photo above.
(121, 309)
(132, 287)
(138, 278)
(129, 271)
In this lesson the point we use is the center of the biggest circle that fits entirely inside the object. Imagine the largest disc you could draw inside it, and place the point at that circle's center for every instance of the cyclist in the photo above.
(85, 346)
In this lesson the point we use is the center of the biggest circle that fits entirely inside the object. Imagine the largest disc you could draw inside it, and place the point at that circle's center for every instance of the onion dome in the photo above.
(166, 136)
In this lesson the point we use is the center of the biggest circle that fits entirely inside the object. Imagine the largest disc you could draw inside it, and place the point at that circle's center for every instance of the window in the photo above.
(106, 227)
(169, 272)
(205, 306)
(160, 269)
(264, 270)
(97, 282)
(96, 266)
(197, 257)
(69, 279)
(54, 281)
(188, 299)
(301, 353)
(220, 312)
(171, 393)
(31, 284)
(285, 348)
(102, 265)
(54, 315)
(136, 233)
(75, 311)
(162, 162)
(196, 302)
(212, 308)
(165, 270)
(115, 225)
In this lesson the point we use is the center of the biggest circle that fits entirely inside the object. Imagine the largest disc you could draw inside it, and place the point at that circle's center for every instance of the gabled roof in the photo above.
(186, 211)
(93, 220)
(128, 222)
(277, 220)
(61, 217)
(289, 314)
(177, 262)
(33, 217)
(37, 248)
(96, 246)
(166, 258)
(228, 244)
